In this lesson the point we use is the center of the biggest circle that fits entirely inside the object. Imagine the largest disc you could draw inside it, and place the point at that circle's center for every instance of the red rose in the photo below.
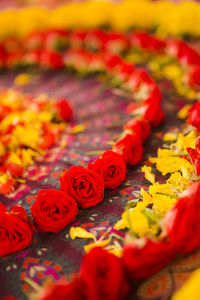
(194, 115)
(16, 233)
(83, 185)
(53, 210)
(55, 39)
(138, 78)
(51, 59)
(35, 40)
(139, 127)
(111, 168)
(147, 42)
(61, 290)
(103, 276)
(193, 77)
(182, 222)
(143, 261)
(130, 146)
(64, 110)
(152, 112)
(194, 156)
(32, 57)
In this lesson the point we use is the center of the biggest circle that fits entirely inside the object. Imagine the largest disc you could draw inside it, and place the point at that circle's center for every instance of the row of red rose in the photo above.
(104, 276)
(88, 189)
(42, 48)
(18, 214)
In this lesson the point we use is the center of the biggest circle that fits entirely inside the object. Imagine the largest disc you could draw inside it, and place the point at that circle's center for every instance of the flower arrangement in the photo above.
(154, 219)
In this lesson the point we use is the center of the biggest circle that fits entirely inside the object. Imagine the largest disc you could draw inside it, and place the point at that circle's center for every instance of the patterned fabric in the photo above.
(96, 106)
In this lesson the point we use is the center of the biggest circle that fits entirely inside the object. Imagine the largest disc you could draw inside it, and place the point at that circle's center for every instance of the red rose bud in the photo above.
(61, 290)
(16, 233)
(194, 115)
(183, 52)
(12, 45)
(83, 185)
(111, 168)
(77, 39)
(32, 57)
(182, 222)
(137, 78)
(55, 39)
(13, 59)
(96, 39)
(124, 70)
(116, 42)
(139, 127)
(193, 77)
(53, 210)
(154, 94)
(130, 146)
(142, 261)
(51, 59)
(147, 42)
(103, 276)
(35, 41)
(112, 61)
(64, 110)
(153, 113)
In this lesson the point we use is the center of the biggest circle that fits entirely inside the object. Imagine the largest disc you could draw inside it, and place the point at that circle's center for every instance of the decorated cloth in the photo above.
(96, 106)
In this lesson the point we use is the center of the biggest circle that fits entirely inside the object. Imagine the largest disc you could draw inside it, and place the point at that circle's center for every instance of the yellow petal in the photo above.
(22, 79)
(147, 174)
(80, 233)
(183, 112)
(90, 246)
(190, 289)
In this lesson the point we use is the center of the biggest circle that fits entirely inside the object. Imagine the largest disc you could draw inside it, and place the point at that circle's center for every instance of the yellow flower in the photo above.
(170, 137)
(22, 79)
(14, 158)
(26, 136)
(179, 181)
(169, 161)
(136, 220)
(80, 233)
(190, 289)
(92, 245)
(183, 112)
(147, 199)
(148, 174)
(163, 197)
(186, 141)
(4, 178)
